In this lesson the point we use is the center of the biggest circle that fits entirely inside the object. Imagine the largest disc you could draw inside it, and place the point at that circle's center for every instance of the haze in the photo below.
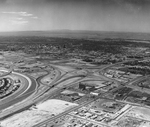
(95, 15)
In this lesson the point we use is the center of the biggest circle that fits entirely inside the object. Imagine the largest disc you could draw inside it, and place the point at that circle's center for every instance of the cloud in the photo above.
(19, 18)
(9, 12)
(34, 17)
(25, 14)
(19, 22)
(19, 13)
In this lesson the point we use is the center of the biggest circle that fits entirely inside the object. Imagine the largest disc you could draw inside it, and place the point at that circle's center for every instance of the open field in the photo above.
(37, 114)
(140, 113)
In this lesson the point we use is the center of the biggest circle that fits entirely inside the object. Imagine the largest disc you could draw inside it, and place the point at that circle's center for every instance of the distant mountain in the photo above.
(94, 35)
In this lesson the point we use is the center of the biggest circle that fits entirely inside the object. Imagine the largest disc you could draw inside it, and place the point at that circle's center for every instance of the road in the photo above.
(100, 75)
(72, 109)
(64, 113)
(60, 81)
(18, 96)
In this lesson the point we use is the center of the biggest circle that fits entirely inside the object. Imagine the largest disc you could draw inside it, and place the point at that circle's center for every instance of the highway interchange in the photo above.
(35, 91)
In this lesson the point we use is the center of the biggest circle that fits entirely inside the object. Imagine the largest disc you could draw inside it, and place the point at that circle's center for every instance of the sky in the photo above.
(94, 15)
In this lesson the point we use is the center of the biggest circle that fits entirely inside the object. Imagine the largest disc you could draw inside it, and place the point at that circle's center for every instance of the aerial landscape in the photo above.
(74, 82)
(64, 64)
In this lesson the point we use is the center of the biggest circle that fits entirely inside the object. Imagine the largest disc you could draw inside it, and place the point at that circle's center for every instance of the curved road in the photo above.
(18, 96)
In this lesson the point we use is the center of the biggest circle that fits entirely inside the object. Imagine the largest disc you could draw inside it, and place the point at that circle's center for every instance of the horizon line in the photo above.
(69, 30)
